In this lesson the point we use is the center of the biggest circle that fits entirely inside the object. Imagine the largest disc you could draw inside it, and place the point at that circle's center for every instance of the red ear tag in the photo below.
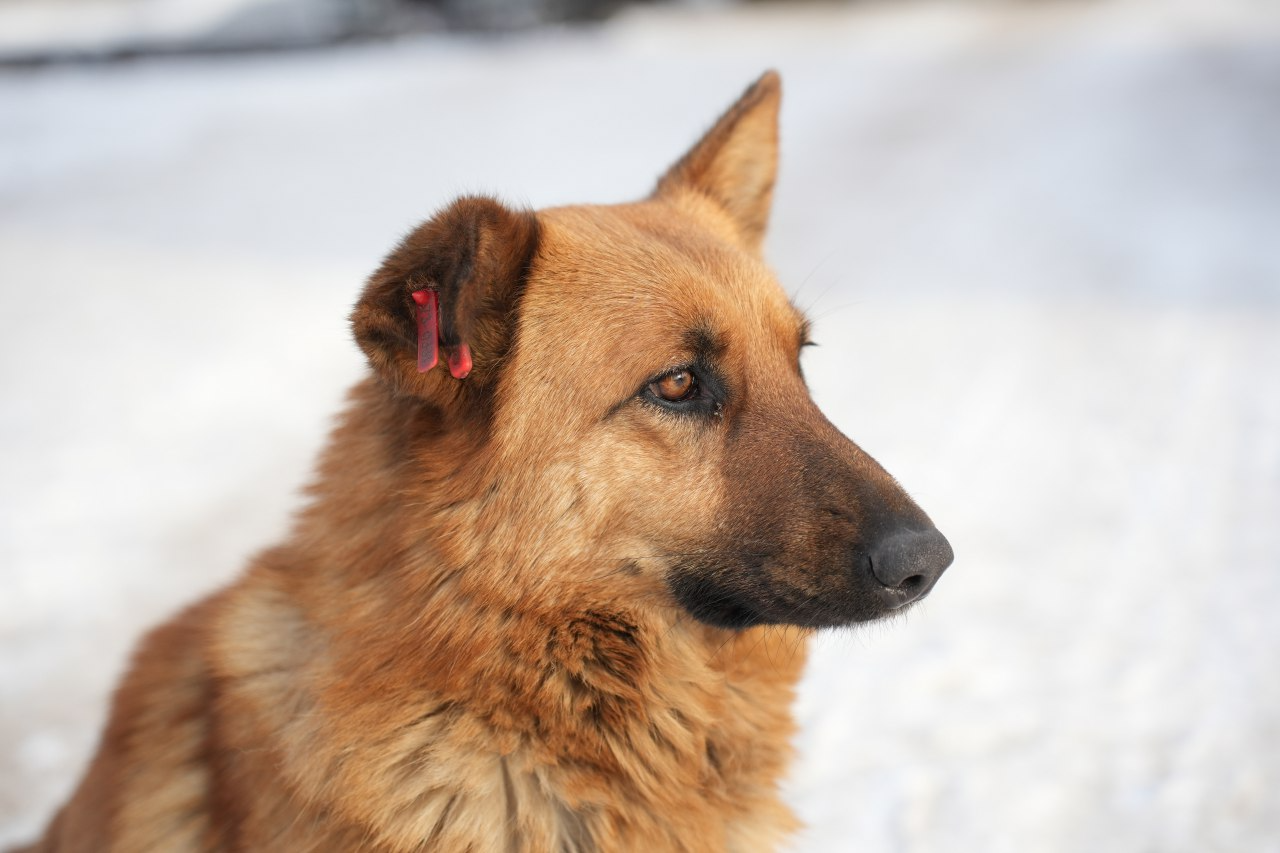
(460, 361)
(428, 302)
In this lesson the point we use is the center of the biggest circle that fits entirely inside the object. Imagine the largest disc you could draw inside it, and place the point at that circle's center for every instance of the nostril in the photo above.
(909, 561)
(912, 583)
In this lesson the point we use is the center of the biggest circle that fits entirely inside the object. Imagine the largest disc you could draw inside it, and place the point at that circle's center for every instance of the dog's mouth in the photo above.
(737, 597)
(727, 604)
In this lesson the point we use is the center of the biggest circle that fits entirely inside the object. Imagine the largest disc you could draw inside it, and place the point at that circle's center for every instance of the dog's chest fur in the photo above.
(616, 736)
(634, 736)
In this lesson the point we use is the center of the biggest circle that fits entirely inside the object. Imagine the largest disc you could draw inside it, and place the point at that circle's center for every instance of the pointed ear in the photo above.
(474, 256)
(736, 162)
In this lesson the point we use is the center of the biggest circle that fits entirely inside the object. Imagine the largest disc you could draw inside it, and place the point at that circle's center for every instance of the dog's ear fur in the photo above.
(736, 163)
(476, 254)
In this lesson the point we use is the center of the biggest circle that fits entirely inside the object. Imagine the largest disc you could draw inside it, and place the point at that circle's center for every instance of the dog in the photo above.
(560, 560)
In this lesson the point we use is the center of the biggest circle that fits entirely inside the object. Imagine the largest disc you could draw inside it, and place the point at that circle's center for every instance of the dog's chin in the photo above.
(712, 603)
(720, 606)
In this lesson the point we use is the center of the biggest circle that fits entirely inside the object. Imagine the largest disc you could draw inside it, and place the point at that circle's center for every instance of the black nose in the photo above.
(909, 562)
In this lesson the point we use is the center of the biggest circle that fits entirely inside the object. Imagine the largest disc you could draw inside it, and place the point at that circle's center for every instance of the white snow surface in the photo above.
(1041, 244)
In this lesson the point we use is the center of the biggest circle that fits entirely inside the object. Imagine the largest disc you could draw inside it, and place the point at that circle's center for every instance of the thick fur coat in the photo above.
(560, 604)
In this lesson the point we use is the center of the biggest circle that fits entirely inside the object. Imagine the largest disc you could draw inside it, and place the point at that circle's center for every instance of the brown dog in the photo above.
(557, 605)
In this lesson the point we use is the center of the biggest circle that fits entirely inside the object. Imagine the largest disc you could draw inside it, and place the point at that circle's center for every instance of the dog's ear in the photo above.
(467, 267)
(736, 162)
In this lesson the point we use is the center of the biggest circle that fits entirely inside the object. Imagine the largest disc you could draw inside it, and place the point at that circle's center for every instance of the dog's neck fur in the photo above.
(550, 694)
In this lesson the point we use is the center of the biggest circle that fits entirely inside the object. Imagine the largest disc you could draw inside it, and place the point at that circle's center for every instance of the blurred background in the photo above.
(1040, 242)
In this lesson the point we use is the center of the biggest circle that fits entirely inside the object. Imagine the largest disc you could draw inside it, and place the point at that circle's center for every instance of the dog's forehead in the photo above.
(650, 272)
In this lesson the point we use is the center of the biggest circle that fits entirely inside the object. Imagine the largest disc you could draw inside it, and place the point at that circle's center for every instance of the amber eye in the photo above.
(675, 386)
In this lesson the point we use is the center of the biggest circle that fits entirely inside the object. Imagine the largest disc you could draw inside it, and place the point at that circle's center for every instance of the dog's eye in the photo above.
(692, 390)
(676, 386)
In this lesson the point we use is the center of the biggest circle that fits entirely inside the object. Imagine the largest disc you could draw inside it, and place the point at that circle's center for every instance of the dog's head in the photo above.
(637, 401)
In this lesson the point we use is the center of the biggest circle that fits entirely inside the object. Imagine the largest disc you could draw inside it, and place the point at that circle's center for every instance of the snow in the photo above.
(1040, 243)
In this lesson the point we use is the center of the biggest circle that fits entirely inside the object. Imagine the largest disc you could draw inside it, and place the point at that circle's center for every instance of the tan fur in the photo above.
(468, 642)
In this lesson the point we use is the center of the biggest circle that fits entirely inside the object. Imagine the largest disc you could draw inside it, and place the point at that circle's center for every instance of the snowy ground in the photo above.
(1042, 247)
